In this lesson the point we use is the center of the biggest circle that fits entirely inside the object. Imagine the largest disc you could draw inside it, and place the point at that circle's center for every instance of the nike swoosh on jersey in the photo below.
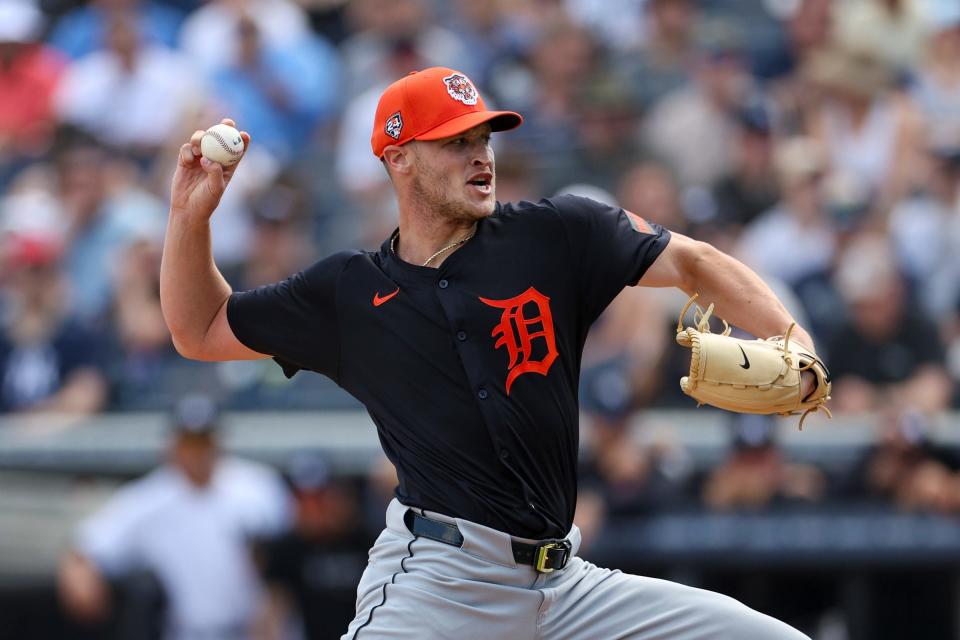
(377, 300)
(746, 363)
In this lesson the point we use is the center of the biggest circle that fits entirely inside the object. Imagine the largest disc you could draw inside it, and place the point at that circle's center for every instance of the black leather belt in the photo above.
(545, 556)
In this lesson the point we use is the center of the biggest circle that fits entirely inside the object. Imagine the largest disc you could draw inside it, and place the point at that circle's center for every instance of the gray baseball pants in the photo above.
(418, 588)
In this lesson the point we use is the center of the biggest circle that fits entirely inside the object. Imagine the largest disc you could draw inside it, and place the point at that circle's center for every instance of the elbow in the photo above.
(183, 339)
(700, 258)
(198, 350)
(189, 349)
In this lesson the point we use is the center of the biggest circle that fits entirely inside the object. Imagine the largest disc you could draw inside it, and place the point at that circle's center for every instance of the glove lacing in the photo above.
(786, 357)
(701, 319)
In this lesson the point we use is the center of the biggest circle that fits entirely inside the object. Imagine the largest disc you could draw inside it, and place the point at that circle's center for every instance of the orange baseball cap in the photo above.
(432, 104)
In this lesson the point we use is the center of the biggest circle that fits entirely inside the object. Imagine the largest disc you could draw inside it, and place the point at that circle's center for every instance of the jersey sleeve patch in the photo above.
(637, 223)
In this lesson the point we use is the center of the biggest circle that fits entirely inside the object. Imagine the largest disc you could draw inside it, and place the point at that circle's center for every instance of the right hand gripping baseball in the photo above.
(751, 376)
(198, 183)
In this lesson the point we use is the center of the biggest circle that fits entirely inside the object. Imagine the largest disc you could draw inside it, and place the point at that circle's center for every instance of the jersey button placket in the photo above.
(461, 335)
(443, 284)
(482, 394)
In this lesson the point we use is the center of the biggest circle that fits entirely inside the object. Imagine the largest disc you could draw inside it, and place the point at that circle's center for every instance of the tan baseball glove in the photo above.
(750, 376)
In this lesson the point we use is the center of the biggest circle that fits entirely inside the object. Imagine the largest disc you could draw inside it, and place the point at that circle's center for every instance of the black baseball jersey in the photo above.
(470, 370)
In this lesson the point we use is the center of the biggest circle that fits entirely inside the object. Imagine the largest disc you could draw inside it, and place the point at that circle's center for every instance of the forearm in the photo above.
(192, 289)
(740, 296)
(273, 614)
(83, 591)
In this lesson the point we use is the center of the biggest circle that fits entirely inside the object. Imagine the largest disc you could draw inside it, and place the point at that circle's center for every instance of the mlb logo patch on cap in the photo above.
(394, 126)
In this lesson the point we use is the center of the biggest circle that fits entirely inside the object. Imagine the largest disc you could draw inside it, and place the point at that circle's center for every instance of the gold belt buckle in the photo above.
(541, 558)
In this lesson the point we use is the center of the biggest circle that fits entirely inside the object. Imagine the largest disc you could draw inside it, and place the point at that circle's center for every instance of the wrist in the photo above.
(801, 336)
(190, 217)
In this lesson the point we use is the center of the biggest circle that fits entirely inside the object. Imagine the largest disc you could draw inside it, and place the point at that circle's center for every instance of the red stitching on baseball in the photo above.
(223, 143)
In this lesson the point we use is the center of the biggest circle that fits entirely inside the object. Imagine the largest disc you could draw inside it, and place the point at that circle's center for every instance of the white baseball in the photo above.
(222, 143)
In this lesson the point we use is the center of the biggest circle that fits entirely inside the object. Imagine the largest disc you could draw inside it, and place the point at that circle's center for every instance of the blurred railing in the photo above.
(53, 471)
(130, 443)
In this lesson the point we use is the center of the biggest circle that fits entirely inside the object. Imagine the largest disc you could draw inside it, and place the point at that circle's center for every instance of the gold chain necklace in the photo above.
(393, 245)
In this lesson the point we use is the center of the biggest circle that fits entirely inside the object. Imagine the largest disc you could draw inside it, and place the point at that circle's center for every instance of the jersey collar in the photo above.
(393, 260)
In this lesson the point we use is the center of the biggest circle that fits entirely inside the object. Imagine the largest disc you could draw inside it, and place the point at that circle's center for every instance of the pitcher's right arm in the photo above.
(193, 292)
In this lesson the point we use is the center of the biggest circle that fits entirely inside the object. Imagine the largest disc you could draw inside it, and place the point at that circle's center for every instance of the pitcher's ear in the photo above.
(397, 159)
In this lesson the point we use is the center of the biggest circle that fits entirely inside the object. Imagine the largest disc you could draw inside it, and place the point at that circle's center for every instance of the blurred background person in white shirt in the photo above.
(190, 523)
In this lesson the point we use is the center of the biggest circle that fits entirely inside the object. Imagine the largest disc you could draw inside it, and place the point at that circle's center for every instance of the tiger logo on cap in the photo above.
(461, 89)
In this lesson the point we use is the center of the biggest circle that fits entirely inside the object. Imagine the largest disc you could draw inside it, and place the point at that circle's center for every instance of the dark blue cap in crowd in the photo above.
(755, 117)
(308, 471)
(752, 431)
(605, 389)
(195, 414)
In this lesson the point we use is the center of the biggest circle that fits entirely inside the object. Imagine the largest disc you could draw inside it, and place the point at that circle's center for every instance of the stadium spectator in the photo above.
(622, 24)
(282, 92)
(492, 33)
(516, 177)
(925, 228)
(48, 361)
(662, 62)
(379, 26)
(142, 357)
(546, 86)
(891, 29)
(652, 188)
(693, 128)
(190, 523)
(757, 474)
(281, 236)
(84, 29)
(103, 208)
(750, 186)
(605, 120)
(628, 477)
(888, 353)
(624, 355)
(809, 28)
(131, 94)
(208, 36)
(905, 468)
(936, 83)
(312, 571)
(29, 206)
(29, 73)
(795, 238)
(869, 128)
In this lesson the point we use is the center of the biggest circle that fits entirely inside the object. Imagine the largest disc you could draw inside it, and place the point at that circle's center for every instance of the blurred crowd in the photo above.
(816, 140)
